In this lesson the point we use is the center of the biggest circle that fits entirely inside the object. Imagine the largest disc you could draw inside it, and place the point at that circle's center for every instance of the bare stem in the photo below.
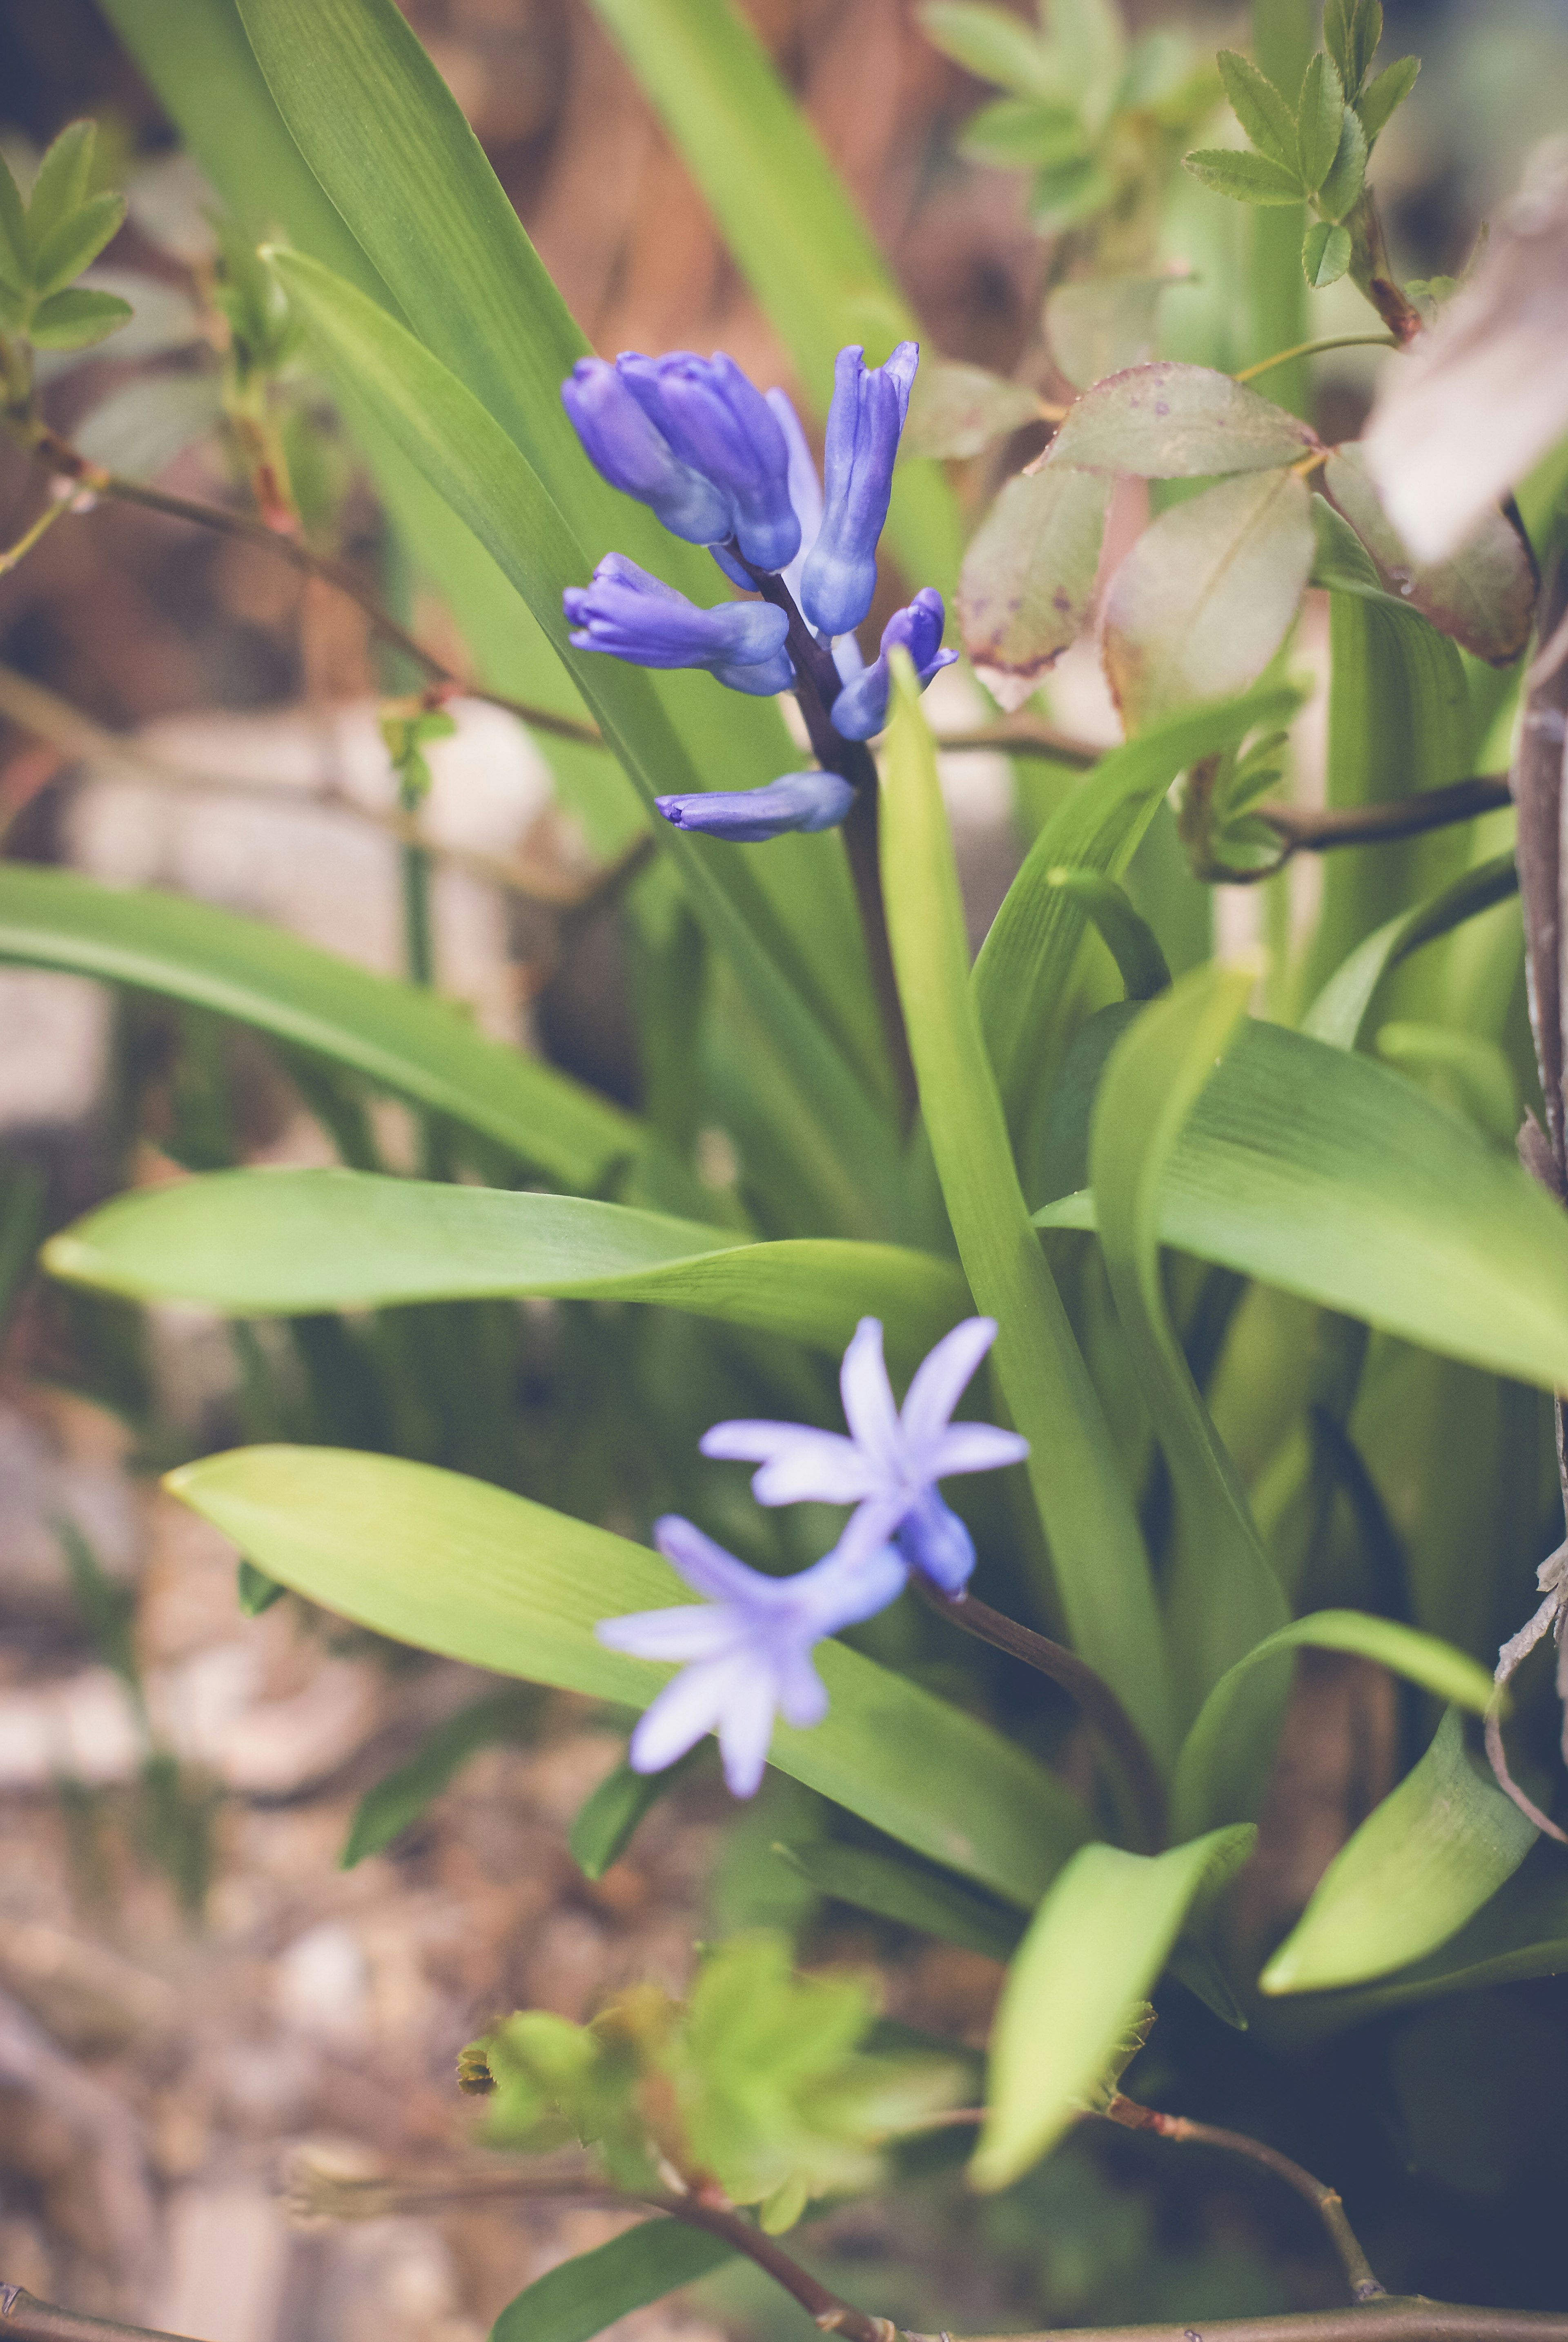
(1324, 2200)
(1305, 830)
(24, 2318)
(17, 552)
(1102, 1709)
(1022, 736)
(67, 462)
(1315, 349)
(825, 2308)
(1394, 2317)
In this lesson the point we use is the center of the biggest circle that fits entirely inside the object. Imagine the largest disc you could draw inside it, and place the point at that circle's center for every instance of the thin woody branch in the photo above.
(825, 2308)
(1303, 829)
(1395, 2318)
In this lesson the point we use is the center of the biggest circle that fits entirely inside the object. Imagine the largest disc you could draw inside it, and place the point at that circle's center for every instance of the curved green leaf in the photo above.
(1102, 1569)
(1322, 1173)
(399, 1798)
(1222, 1596)
(1437, 1848)
(1095, 1948)
(441, 428)
(403, 1038)
(1222, 1772)
(1339, 1012)
(578, 2298)
(910, 1897)
(258, 1244)
(457, 1566)
(1172, 422)
(1125, 934)
(785, 215)
(1021, 977)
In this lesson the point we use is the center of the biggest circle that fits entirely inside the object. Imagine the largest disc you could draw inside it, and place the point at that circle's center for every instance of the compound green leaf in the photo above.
(1325, 254)
(1436, 1850)
(1262, 110)
(1319, 121)
(1102, 1569)
(1094, 1949)
(468, 1570)
(1245, 178)
(993, 46)
(1324, 1173)
(1172, 422)
(403, 1038)
(257, 1243)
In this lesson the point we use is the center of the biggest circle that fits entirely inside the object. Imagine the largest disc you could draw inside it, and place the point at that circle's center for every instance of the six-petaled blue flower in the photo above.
(807, 801)
(634, 616)
(721, 426)
(889, 1465)
(865, 420)
(861, 708)
(747, 1647)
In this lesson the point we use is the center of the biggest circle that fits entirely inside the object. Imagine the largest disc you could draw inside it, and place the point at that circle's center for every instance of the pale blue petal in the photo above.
(745, 1723)
(942, 1378)
(704, 1563)
(973, 1447)
(868, 1408)
(682, 1713)
(933, 1541)
(847, 1585)
(820, 1466)
(749, 1441)
(696, 1630)
(801, 1693)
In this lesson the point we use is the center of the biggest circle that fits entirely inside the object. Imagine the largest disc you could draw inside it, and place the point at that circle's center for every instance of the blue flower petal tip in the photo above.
(636, 616)
(865, 422)
(806, 801)
(860, 709)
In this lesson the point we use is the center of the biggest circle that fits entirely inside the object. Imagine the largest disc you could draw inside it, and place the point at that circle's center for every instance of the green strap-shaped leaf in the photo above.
(399, 1799)
(259, 1244)
(1324, 1173)
(789, 221)
(1339, 1012)
(911, 1897)
(441, 428)
(608, 1818)
(457, 1566)
(1101, 1570)
(1223, 1596)
(405, 1040)
(578, 2298)
(1437, 1848)
(1222, 1770)
(1021, 977)
(1094, 1949)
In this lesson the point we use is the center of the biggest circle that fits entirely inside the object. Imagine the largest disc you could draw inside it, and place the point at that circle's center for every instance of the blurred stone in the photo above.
(86, 1995)
(52, 1066)
(59, 1461)
(228, 2254)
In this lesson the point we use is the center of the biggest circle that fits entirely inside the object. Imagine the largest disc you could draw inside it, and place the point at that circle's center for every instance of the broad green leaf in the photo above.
(1097, 1553)
(468, 1570)
(1245, 178)
(1172, 422)
(1206, 595)
(257, 1243)
(956, 410)
(607, 1819)
(1418, 1867)
(1325, 254)
(14, 255)
(61, 185)
(578, 2298)
(1094, 1949)
(385, 1812)
(77, 241)
(910, 1897)
(1021, 977)
(1028, 578)
(1103, 325)
(1222, 1771)
(1028, 132)
(1220, 1595)
(405, 1040)
(1324, 1173)
(1339, 1012)
(1347, 176)
(1319, 120)
(1484, 595)
(993, 46)
(389, 142)
(76, 319)
(482, 474)
(1262, 110)
(1129, 938)
(789, 221)
(1475, 1073)
(1385, 92)
(1351, 30)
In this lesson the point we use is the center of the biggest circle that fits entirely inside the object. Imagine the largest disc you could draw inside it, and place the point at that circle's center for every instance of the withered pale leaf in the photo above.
(1024, 589)
(1483, 593)
(1104, 326)
(1171, 422)
(1205, 599)
(957, 410)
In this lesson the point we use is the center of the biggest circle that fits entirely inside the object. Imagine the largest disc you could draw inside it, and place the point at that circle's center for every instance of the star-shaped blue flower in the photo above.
(889, 1465)
(747, 1647)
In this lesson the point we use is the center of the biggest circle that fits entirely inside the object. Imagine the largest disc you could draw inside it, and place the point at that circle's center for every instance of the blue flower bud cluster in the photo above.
(747, 1647)
(726, 466)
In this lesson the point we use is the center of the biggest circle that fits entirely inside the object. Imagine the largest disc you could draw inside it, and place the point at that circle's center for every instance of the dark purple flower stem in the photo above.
(817, 684)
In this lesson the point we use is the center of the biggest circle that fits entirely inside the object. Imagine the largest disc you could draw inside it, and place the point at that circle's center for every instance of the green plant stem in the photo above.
(1102, 1711)
(1315, 349)
(17, 552)
(1370, 272)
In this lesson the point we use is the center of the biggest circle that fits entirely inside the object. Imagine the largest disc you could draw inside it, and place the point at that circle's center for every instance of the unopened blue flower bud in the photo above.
(636, 616)
(626, 448)
(863, 424)
(807, 801)
(721, 426)
(861, 708)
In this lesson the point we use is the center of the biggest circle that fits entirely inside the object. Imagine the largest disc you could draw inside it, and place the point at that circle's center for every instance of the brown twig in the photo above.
(24, 2318)
(66, 462)
(827, 2309)
(1324, 2200)
(1102, 1709)
(1022, 736)
(1395, 2318)
(1303, 829)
